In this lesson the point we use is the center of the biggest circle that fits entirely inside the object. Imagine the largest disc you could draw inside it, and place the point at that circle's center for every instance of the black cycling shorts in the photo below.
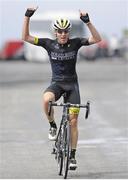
(70, 89)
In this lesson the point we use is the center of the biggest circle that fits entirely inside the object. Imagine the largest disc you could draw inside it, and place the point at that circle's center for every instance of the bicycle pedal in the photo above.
(72, 168)
(53, 151)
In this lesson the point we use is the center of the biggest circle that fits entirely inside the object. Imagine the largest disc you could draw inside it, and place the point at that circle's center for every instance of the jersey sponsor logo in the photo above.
(63, 56)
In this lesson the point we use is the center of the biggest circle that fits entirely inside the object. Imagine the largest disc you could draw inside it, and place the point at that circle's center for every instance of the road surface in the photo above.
(25, 151)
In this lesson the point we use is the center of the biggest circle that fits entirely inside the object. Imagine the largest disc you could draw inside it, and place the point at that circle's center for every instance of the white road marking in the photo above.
(100, 141)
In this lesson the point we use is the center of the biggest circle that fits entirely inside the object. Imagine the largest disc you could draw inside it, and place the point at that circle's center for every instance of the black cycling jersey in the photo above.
(63, 57)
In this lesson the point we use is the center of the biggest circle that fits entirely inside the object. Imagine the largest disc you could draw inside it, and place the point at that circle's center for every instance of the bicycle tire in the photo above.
(66, 153)
(59, 154)
(60, 164)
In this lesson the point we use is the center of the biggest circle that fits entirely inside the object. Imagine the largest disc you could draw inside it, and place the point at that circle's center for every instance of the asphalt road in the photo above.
(25, 152)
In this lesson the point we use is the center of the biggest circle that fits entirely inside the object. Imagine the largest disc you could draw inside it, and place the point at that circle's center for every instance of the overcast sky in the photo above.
(109, 16)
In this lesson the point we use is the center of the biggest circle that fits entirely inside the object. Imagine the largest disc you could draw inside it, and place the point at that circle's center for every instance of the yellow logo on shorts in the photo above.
(74, 110)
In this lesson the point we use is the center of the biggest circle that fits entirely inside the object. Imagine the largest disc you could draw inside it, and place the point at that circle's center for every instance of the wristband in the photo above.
(29, 12)
(85, 18)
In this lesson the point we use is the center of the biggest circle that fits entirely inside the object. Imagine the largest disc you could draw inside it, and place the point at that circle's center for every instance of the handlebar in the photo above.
(68, 105)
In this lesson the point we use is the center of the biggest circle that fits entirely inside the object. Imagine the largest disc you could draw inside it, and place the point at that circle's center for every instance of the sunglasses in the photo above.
(60, 31)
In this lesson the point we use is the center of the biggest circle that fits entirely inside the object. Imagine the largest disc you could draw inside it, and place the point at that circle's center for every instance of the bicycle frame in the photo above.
(62, 146)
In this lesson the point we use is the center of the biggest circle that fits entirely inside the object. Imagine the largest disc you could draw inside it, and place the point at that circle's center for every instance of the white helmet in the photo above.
(61, 23)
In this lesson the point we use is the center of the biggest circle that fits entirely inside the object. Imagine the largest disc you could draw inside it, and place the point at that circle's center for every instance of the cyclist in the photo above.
(62, 53)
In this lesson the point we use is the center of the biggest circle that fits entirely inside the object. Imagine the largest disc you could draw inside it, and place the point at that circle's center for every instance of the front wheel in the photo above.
(59, 153)
(66, 152)
(60, 163)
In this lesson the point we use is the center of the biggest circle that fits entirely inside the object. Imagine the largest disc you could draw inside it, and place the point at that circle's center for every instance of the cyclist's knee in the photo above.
(48, 96)
(73, 121)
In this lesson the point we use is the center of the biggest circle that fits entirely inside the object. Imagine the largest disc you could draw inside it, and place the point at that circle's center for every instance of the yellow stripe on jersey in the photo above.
(35, 40)
(74, 110)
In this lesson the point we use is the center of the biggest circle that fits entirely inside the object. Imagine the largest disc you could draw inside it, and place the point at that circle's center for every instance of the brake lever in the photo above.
(49, 108)
(87, 110)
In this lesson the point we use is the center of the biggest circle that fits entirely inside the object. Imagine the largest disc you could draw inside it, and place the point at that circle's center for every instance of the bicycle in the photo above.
(62, 143)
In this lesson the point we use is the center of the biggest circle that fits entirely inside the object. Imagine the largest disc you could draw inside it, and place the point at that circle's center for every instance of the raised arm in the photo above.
(95, 36)
(25, 31)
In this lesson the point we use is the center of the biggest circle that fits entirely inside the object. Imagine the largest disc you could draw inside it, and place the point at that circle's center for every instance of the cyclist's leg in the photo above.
(73, 96)
(74, 130)
(52, 93)
(48, 96)
(74, 140)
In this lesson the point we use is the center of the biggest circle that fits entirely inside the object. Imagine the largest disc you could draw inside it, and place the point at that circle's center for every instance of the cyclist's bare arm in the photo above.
(95, 36)
(25, 31)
